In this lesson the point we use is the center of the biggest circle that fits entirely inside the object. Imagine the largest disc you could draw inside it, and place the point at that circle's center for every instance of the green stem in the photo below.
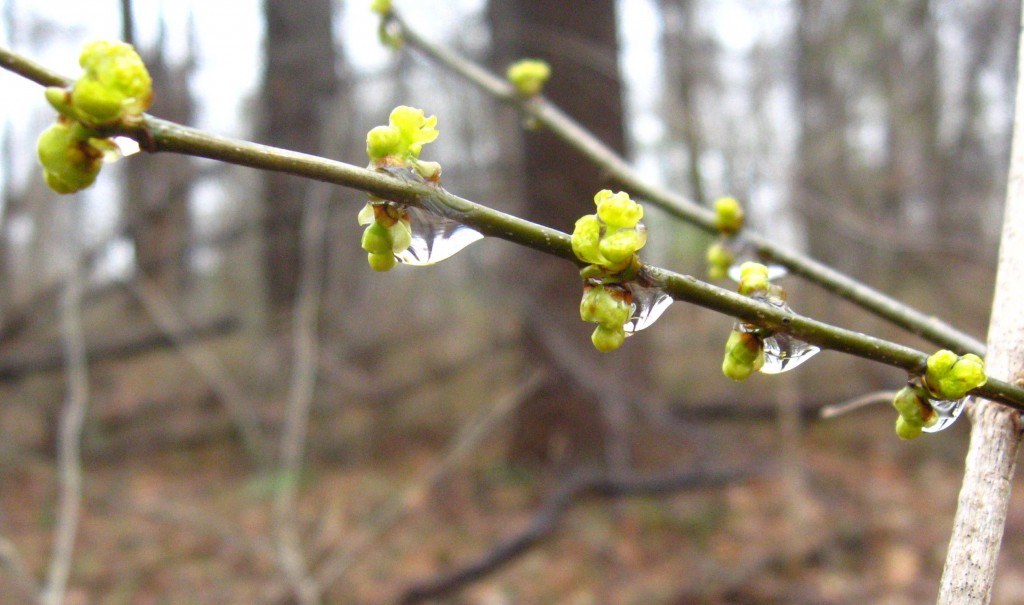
(161, 135)
(561, 124)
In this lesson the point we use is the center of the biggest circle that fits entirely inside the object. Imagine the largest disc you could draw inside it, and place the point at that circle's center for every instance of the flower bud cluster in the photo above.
(948, 378)
(609, 241)
(729, 218)
(395, 149)
(610, 307)
(528, 76)
(744, 349)
(114, 89)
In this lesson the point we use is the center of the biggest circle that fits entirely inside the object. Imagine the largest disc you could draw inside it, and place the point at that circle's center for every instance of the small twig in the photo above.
(462, 444)
(850, 405)
(546, 520)
(300, 396)
(208, 365)
(69, 463)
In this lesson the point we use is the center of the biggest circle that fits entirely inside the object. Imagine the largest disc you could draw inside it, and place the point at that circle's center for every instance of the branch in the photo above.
(561, 124)
(162, 135)
(594, 485)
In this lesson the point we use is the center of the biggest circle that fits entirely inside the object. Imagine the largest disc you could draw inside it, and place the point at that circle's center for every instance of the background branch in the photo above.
(544, 523)
(557, 121)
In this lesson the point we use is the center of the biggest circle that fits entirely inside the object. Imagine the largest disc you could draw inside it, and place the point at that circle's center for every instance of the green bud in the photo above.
(606, 305)
(905, 430)
(913, 406)
(381, 7)
(381, 262)
(366, 215)
(528, 76)
(377, 239)
(620, 246)
(744, 355)
(617, 210)
(753, 278)
(607, 338)
(728, 215)
(950, 377)
(383, 141)
(115, 85)
(69, 162)
(719, 258)
(431, 171)
(401, 235)
(586, 240)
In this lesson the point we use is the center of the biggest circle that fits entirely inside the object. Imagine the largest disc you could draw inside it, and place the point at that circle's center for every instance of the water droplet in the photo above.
(782, 353)
(126, 146)
(648, 305)
(948, 412)
(434, 238)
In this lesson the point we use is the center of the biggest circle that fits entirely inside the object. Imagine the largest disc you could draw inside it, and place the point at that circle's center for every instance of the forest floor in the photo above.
(864, 519)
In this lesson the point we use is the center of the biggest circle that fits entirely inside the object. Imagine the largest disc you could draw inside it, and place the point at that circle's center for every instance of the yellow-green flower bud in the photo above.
(617, 210)
(608, 306)
(905, 430)
(115, 85)
(377, 239)
(383, 141)
(586, 240)
(69, 162)
(719, 258)
(753, 278)
(914, 408)
(381, 7)
(528, 76)
(381, 262)
(744, 355)
(950, 377)
(401, 235)
(620, 246)
(607, 338)
(416, 129)
(728, 215)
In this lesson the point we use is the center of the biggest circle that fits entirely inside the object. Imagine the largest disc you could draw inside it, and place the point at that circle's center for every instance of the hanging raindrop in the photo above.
(648, 305)
(948, 412)
(782, 353)
(434, 238)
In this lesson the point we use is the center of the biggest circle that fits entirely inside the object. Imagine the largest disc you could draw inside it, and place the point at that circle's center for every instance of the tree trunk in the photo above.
(578, 39)
(299, 80)
(996, 430)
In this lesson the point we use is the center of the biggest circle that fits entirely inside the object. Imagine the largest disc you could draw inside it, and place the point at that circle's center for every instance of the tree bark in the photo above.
(978, 527)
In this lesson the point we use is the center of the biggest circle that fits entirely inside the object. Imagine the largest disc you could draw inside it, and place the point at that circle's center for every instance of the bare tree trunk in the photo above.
(996, 431)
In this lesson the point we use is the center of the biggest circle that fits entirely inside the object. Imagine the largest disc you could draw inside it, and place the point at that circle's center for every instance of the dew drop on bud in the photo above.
(648, 305)
(434, 238)
(948, 412)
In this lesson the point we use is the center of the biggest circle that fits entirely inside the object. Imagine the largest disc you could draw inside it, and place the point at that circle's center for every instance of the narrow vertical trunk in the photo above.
(996, 431)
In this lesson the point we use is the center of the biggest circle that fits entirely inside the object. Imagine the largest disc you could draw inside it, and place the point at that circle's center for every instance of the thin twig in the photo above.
(208, 365)
(561, 124)
(546, 520)
(300, 395)
(861, 401)
(69, 463)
